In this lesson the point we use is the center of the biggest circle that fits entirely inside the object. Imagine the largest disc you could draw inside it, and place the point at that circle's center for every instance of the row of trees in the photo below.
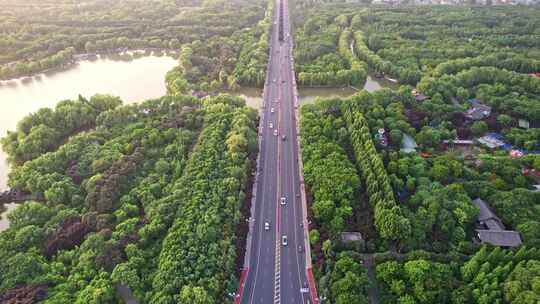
(323, 55)
(404, 75)
(388, 217)
(418, 39)
(335, 186)
(357, 67)
(508, 61)
(331, 177)
(501, 276)
(23, 68)
(196, 263)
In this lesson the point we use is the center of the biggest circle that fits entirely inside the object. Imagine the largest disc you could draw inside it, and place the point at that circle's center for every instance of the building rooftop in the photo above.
(485, 212)
(491, 141)
(351, 236)
(421, 97)
(499, 237)
(478, 110)
(408, 145)
(492, 229)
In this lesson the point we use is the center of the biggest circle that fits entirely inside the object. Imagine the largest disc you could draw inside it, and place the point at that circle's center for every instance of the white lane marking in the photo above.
(290, 71)
(277, 269)
(268, 97)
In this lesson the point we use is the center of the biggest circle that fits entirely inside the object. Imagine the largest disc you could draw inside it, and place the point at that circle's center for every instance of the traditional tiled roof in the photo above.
(503, 238)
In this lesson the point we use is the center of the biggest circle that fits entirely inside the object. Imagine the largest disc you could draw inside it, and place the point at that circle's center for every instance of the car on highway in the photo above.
(283, 200)
(275, 133)
(272, 110)
(283, 137)
(271, 125)
(266, 226)
(284, 240)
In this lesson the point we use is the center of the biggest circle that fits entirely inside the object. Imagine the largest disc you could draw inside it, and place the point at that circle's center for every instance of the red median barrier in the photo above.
(312, 287)
(243, 277)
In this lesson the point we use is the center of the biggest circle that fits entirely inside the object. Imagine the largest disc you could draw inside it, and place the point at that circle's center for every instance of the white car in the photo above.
(284, 240)
(283, 201)
(275, 133)
(272, 110)
(271, 125)
(266, 226)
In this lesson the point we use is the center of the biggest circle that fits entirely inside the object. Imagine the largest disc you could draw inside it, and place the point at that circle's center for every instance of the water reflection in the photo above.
(134, 80)
(374, 84)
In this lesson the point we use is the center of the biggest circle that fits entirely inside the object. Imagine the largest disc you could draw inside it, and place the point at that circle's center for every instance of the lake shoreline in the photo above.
(79, 57)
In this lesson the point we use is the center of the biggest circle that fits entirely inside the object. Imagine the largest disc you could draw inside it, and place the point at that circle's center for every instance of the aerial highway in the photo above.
(277, 262)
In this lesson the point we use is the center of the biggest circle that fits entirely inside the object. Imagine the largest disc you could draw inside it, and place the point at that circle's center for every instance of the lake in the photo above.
(133, 80)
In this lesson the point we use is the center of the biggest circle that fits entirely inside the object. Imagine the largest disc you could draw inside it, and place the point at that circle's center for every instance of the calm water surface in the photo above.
(254, 96)
(134, 80)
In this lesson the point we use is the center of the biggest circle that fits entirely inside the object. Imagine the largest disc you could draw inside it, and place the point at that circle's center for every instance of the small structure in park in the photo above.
(419, 97)
(408, 145)
(381, 137)
(458, 142)
(524, 123)
(352, 241)
(491, 229)
(492, 141)
(478, 110)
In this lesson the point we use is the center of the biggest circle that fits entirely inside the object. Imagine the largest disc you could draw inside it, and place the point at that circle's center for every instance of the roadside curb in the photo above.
(249, 237)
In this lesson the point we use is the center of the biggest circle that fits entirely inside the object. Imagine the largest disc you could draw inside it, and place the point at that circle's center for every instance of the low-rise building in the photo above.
(491, 230)
(523, 123)
(491, 141)
(419, 97)
(478, 110)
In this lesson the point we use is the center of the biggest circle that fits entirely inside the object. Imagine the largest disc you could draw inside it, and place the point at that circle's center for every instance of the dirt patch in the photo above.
(24, 294)
(70, 234)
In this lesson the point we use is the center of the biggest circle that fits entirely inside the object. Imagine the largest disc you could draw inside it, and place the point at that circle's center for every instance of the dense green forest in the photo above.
(414, 209)
(403, 202)
(40, 35)
(124, 196)
(150, 195)
(224, 62)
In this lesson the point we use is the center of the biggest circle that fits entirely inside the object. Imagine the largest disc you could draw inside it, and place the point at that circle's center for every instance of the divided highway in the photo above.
(277, 264)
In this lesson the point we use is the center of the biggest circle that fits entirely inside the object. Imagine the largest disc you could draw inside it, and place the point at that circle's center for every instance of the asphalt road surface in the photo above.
(277, 272)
